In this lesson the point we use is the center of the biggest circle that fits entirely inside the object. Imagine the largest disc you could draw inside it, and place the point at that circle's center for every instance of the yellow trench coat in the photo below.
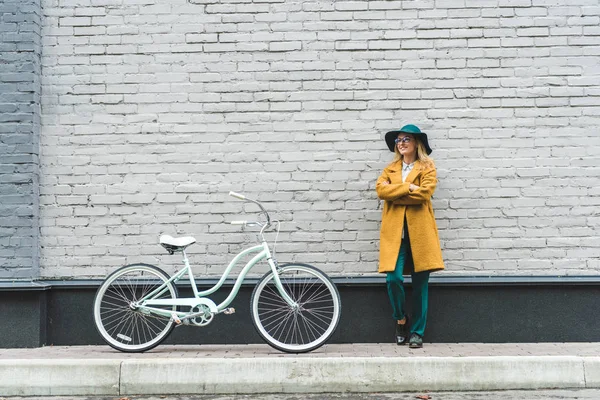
(416, 206)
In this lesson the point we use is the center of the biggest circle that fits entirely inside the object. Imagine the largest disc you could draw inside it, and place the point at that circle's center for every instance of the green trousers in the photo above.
(420, 291)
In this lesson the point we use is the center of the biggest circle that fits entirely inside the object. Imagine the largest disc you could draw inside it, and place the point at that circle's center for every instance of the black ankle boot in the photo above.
(402, 332)
(416, 341)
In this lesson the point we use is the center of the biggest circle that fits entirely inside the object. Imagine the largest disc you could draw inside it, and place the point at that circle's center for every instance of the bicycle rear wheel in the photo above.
(305, 327)
(122, 325)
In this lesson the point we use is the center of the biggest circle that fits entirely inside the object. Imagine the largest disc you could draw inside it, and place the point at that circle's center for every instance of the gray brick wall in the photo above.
(20, 47)
(153, 110)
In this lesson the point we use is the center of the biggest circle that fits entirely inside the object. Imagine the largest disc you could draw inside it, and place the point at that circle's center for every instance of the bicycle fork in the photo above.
(273, 264)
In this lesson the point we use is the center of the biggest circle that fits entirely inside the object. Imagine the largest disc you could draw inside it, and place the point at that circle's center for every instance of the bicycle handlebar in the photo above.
(262, 226)
(242, 197)
(237, 195)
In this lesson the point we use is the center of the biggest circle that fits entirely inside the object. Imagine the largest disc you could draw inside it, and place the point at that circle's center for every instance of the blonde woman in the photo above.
(409, 242)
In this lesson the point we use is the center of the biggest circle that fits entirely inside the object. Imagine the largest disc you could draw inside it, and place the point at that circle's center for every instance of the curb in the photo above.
(59, 377)
(294, 375)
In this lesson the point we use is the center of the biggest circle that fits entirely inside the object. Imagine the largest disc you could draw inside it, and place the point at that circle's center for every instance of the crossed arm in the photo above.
(407, 193)
(390, 191)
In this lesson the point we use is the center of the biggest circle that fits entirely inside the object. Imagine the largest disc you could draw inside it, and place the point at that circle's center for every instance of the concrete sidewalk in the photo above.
(209, 369)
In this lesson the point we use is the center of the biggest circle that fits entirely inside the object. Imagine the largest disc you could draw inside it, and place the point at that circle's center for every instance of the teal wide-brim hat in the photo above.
(391, 136)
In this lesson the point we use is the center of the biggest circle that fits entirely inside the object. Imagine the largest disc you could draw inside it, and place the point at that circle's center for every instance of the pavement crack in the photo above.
(120, 374)
(584, 373)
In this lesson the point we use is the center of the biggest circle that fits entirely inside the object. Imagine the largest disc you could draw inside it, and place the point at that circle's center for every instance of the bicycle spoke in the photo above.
(318, 293)
(120, 321)
(288, 321)
(285, 316)
(309, 329)
(316, 330)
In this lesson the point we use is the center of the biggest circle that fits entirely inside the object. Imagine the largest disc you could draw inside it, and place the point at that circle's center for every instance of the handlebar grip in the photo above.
(237, 195)
(238, 222)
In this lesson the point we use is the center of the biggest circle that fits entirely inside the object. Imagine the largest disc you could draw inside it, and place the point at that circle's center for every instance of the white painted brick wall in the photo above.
(153, 110)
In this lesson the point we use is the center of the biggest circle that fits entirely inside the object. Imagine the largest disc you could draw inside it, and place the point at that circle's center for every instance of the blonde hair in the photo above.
(426, 161)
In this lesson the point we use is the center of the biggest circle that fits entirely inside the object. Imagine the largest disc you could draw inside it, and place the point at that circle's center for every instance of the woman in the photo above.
(409, 242)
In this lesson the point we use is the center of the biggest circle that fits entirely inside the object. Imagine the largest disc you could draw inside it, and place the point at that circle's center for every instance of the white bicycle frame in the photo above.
(146, 303)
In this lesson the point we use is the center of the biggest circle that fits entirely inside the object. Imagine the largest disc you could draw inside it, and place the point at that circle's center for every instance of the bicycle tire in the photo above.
(121, 326)
(305, 328)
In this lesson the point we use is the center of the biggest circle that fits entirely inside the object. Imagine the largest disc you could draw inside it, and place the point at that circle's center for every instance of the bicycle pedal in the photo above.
(175, 319)
(229, 311)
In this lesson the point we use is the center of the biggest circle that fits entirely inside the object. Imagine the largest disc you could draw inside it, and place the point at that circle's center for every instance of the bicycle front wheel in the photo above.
(305, 327)
(121, 324)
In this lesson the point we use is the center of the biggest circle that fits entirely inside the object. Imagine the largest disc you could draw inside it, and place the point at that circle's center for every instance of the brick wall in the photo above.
(20, 46)
(153, 110)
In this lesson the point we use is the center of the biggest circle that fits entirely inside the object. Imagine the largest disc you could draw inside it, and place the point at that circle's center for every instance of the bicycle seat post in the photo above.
(190, 274)
(186, 262)
(185, 259)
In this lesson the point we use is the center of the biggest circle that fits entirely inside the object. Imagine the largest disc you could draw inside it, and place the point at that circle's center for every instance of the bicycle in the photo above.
(294, 307)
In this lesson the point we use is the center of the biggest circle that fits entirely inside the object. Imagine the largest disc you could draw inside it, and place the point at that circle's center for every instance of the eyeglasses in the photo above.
(405, 139)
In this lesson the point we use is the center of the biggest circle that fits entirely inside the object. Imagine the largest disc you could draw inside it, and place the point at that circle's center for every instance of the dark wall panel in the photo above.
(497, 313)
(23, 316)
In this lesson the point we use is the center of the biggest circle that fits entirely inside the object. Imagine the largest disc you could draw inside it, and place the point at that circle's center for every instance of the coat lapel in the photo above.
(394, 167)
(414, 172)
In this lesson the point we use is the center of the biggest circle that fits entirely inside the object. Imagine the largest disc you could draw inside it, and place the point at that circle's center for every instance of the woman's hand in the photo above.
(412, 187)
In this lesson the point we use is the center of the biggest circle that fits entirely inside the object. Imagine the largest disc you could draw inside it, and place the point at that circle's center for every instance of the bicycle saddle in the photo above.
(174, 244)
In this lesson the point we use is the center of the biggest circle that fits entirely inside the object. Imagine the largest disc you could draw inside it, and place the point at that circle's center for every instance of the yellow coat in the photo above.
(416, 206)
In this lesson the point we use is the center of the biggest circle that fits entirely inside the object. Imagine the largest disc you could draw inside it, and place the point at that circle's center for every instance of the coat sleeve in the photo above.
(423, 193)
(391, 191)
